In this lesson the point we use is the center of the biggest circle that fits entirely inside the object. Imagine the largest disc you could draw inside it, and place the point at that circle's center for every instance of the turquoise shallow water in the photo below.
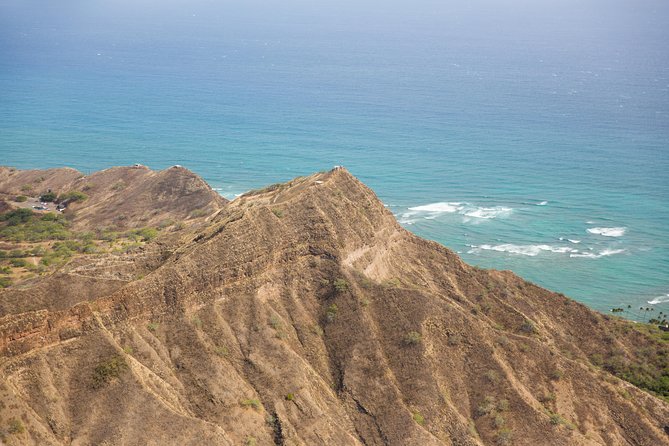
(541, 148)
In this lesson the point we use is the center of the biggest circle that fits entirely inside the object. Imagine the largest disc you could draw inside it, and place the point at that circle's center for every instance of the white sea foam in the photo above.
(470, 212)
(487, 212)
(543, 203)
(659, 300)
(526, 250)
(608, 232)
(576, 242)
(438, 208)
(407, 218)
(592, 255)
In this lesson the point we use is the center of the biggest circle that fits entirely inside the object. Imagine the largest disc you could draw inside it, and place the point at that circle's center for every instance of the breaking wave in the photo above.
(488, 213)
(608, 232)
(438, 208)
(525, 250)
(659, 300)
(592, 255)
(469, 211)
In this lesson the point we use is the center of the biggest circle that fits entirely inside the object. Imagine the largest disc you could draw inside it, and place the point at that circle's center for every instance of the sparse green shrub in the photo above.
(503, 405)
(499, 421)
(221, 350)
(392, 283)
(419, 418)
(250, 441)
(165, 223)
(341, 285)
(555, 375)
(197, 213)
(546, 398)
(48, 197)
(146, 234)
(492, 376)
(26, 188)
(18, 263)
(528, 327)
(15, 426)
(107, 370)
(251, 402)
(277, 212)
(331, 312)
(597, 359)
(290, 397)
(128, 350)
(21, 199)
(625, 394)
(504, 437)
(557, 419)
(73, 195)
(271, 420)
(413, 338)
(486, 407)
(275, 322)
(153, 326)
(178, 226)
(119, 186)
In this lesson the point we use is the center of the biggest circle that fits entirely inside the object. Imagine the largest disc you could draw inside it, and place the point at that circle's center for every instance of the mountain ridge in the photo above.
(303, 313)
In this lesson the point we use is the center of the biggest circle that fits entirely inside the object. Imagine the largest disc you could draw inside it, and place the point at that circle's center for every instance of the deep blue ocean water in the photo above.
(536, 141)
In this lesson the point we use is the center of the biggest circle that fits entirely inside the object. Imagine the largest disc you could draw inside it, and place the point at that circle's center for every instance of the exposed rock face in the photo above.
(304, 314)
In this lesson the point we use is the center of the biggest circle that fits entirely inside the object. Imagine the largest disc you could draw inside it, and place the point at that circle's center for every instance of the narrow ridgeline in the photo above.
(303, 314)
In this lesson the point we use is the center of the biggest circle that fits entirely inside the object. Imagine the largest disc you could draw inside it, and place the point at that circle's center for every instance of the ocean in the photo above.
(533, 139)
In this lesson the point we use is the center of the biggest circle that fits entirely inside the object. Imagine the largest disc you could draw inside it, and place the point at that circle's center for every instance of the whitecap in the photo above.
(471, 213)
(543, 203)
(576, 242)
(526, 250)
(592, 255)
(437, 207)
(659, 300)
(488, 212)
(608, 232)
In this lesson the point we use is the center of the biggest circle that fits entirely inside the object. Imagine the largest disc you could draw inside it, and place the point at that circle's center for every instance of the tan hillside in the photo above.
(303, 314)
(125, 197)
